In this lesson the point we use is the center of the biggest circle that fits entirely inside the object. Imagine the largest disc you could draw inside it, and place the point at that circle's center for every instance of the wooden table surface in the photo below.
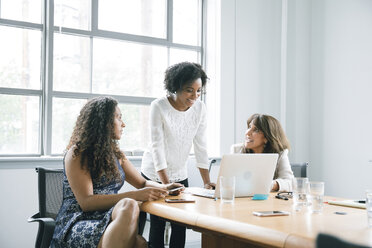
(237, 221)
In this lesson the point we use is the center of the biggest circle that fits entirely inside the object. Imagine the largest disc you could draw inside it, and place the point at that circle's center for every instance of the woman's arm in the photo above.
(200, 149)
(82, 186)
(134, 178)
(157, 137)
(206, 179)
(284, 173)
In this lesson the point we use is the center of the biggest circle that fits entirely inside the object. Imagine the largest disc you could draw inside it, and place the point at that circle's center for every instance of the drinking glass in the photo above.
(227, 189)
(300, 190)
(369, 206)
(316, 194)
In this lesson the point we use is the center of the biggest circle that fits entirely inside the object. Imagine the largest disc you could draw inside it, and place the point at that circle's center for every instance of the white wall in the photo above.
(340, 96)
(328, 85)
(250, 64)
(18, 196)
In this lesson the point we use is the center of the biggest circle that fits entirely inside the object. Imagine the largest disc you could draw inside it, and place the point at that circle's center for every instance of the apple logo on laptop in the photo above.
(247, 175)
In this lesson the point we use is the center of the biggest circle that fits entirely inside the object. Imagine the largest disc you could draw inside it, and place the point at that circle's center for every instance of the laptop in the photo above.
(253, 174)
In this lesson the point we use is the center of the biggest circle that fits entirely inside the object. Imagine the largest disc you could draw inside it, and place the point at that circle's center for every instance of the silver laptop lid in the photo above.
(253, 172)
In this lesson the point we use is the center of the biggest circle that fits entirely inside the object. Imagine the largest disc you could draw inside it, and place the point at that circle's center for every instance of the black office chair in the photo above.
(50, 184)
(299, 169)
(326, 240)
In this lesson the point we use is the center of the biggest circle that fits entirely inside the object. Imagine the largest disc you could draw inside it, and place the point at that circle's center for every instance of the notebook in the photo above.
(253, 174)
(349, 203)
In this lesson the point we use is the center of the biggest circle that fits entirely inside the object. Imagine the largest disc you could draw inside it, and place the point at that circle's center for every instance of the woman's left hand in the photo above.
(210, 185)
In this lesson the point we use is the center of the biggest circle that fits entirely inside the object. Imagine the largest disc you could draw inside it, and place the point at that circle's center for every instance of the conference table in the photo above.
(234, 225)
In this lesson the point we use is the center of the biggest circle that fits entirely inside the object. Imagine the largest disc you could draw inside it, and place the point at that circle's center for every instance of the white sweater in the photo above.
(172, 134)
(283, 172)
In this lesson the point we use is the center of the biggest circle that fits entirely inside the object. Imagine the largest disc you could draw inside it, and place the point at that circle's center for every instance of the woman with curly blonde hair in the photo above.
(93, 213)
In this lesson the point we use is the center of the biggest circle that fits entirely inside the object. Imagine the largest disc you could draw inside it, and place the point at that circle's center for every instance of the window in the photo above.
(55, 57)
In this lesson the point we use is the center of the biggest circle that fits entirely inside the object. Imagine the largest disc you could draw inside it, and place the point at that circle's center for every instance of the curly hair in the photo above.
(181, 74)
(276, 139)
(92, 138)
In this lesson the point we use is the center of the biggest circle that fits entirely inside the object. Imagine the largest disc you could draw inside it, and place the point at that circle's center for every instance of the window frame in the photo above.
(46, 94)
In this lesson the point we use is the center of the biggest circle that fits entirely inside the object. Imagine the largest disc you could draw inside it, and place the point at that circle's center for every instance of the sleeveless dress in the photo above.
(75, 228)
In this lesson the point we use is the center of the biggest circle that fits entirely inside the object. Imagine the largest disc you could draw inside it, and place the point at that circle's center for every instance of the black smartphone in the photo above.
(179, 200)
(270, 213)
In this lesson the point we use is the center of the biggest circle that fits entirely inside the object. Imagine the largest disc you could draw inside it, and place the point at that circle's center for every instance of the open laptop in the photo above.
(253, 174)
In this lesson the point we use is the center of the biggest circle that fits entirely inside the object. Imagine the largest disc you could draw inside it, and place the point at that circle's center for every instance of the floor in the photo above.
(193, 239)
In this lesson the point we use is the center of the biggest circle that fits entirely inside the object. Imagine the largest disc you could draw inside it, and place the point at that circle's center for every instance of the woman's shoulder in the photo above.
(284, 153)
(161, 103)
(71, 156)
(160, 100)
(236, 148)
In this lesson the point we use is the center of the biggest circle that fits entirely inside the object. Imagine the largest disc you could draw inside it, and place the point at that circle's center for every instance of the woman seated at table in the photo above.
(266, 135)
(93, 213)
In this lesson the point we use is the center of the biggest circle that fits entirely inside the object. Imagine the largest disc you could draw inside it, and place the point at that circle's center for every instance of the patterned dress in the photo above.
(75, 228)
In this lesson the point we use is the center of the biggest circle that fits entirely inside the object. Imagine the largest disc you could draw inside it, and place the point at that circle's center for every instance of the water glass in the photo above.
(227, 189)
(316, 194)
(369, 206)
(300, 190)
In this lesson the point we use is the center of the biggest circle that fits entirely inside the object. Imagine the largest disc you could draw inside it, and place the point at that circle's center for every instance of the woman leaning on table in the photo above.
(177, 121)
(93, 213)
(265, 135)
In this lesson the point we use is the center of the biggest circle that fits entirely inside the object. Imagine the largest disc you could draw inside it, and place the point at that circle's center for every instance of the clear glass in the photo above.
(20, 54)
(369, 207)
(181, 55)
(19, 124)
(71, 63)
(65, 113)
(227, 189)
(72, 13)
(139, 17)
(300, 191)
(124, 68)
(187, 22)
(136, 134)
(316, 195)
(21, 10)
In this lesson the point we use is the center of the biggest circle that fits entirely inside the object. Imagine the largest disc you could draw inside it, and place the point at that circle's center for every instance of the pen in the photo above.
(281, 197)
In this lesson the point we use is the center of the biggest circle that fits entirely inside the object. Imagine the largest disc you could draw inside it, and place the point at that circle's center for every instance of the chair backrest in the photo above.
(50, 191)
(326, 240)
(299, 169)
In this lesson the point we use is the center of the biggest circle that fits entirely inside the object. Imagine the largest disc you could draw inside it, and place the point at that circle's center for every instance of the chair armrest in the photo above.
(46, 230)
(36, 218)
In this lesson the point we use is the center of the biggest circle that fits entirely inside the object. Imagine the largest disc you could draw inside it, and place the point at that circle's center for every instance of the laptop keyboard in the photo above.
(200, 191)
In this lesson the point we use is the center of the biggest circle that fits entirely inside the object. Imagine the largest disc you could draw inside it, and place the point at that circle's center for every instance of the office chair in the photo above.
(326, 240)
(50, 185)
(299, 169)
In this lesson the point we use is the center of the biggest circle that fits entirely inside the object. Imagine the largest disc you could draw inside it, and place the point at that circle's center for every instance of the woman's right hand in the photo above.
(150, 194)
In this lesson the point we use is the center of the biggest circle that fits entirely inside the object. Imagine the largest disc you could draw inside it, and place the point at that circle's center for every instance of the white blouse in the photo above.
(172, 134)
(283, 172)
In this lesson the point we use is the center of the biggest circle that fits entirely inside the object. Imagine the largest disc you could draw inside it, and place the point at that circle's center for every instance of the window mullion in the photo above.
(48, 84)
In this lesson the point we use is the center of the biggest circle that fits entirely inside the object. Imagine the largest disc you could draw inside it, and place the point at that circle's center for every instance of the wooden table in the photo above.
(234, 225)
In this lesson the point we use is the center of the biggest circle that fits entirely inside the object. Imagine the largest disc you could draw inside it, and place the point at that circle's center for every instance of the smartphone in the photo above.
(178, 200)
(174, 189)
(270, 213)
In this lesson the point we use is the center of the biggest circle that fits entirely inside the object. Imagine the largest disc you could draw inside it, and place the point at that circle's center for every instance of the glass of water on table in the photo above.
(300, 190)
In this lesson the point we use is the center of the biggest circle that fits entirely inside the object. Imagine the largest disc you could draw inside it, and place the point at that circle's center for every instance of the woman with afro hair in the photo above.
(177, 121)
